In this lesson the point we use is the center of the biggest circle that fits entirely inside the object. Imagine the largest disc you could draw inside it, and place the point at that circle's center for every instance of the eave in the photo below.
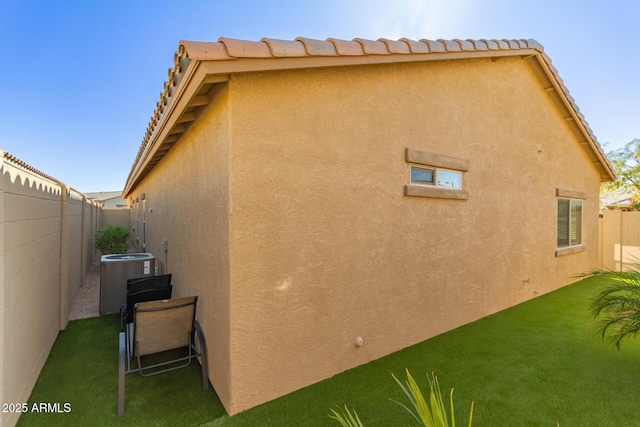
(200, 65)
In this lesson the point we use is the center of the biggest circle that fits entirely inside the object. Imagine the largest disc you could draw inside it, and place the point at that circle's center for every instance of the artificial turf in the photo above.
(540, 363)
(82, 371)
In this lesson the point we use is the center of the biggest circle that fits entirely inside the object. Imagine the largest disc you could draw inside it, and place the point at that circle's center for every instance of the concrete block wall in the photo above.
(116, 217)
(620, 241)
(44, 252)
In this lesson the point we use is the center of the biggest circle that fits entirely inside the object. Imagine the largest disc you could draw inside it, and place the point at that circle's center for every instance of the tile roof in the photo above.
(227, 48)
(228, 55)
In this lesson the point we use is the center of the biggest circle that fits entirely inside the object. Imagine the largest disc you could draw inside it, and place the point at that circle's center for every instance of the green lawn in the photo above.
(537, 364)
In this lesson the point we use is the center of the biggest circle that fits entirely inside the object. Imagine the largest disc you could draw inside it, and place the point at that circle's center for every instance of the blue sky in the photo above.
(82, 78)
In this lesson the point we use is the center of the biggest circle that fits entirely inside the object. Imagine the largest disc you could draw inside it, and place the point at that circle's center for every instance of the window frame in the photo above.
(435, 162)
(436, 172)
(571, 197)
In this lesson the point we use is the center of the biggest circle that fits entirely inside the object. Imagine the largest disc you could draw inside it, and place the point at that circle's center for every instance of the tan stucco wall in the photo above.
(325, 247)
(187, 203)
(284, 210)
(31, 279)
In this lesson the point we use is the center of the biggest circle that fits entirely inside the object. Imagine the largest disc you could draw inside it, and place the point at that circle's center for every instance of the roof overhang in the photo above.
(200, 65)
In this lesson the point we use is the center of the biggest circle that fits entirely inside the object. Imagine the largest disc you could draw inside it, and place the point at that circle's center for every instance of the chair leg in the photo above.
(203, 357)
(121, 373)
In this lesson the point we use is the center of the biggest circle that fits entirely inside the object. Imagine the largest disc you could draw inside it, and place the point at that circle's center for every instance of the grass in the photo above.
(537, 364)
(82, 370)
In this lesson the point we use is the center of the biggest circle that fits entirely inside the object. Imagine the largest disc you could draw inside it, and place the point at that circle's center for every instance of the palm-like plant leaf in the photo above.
(617, 306)
(432, 413)
(346, 418)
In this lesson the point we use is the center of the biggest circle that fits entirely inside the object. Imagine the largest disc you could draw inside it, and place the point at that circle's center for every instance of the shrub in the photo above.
(112, 239)
(617, 306)
(428, 412)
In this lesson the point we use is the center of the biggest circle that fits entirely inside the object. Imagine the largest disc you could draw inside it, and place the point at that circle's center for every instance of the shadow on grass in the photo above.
(82, 370)
(536, 364)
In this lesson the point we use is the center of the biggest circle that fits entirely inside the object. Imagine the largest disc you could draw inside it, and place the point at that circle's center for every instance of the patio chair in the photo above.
(160, 326)
(143, 289)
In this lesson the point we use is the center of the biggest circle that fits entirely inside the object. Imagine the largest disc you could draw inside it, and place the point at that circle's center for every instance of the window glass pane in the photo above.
(450, 179)
(563, 223)
(576, 222)
(421, 176)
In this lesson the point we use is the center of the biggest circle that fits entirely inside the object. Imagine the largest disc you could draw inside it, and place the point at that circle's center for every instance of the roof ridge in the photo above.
(231, 49)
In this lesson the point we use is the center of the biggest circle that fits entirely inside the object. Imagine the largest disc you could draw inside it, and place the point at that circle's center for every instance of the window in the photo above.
(422, 176)
(435, 175)
(569, 223)
(440, 177)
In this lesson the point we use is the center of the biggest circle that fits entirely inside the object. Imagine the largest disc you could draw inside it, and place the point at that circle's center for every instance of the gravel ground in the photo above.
(87, 302)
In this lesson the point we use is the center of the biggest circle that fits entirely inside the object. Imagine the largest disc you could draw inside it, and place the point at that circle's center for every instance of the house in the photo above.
(109, 199)
(334, 201)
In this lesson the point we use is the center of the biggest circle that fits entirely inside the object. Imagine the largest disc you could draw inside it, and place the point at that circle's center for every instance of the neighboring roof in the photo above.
(199, 65)
(616, 197)
(104, 195)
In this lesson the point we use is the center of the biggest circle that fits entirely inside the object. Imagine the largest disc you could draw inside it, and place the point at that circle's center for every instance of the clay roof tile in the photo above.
(450, 45)
(533, 44)
(203, 50)
(491, 44)
(479, 44)
(435, 45)
(396, 46)
(245, 48)
(318, 47)
(417, 46)
(371, 47)
(347, 48)
(285, 48)
(465, 45)
(513, 44)
(502, 44)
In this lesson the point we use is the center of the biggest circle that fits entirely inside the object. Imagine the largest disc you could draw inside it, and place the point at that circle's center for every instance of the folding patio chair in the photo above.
(144, 289)
(159, 326)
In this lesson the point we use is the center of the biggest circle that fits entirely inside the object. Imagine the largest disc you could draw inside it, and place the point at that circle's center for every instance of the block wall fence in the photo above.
(619, 239)
(46, 248)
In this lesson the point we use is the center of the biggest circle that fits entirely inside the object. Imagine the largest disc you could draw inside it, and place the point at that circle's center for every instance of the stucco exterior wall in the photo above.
(283, 206)
(187, 203)
(325, 247)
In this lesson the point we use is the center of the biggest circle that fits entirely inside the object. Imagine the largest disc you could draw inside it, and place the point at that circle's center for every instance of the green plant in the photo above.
(432, 413)
(112, 239)
(429, 414)
(617, 307)
(346, 418)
